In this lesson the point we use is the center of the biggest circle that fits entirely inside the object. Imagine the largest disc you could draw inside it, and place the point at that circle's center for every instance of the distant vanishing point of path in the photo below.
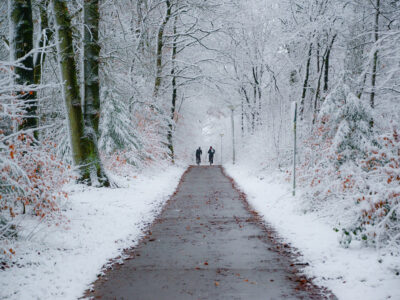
(206, 244)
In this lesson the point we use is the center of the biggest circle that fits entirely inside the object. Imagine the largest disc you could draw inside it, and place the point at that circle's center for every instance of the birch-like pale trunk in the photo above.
(83, 146)
(375, 60)
(45, 37)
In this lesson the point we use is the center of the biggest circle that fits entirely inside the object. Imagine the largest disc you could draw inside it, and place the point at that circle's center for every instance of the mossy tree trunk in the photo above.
(160, 46)
(91, 58)
(83, 142)
(174, 94)
(21, 44)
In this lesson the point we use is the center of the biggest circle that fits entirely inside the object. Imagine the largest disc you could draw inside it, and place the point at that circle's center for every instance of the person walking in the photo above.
(211, 153)
(198, 156)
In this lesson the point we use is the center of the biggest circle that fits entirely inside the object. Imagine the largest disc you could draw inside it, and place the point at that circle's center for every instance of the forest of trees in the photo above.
(339, 61)
(96, 87)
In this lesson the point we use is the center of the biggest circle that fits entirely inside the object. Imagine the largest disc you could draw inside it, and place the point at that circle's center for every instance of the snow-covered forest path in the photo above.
(206, 244)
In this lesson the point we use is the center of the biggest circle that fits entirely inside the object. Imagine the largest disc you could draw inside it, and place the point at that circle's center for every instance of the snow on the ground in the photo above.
(353, 273)
(60, 263)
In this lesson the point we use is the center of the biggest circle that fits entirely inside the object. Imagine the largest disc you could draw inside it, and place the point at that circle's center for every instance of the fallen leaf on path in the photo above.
(206, 263)
(216, 283)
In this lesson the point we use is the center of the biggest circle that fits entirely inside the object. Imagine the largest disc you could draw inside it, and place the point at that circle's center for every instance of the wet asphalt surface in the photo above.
(204, 245)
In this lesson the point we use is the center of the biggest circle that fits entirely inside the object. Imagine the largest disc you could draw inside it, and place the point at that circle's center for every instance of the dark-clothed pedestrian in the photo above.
(211, 153)
(198, 156)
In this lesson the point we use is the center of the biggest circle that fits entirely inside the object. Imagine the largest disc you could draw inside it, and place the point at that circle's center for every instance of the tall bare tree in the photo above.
(83, 138)
(21, 50)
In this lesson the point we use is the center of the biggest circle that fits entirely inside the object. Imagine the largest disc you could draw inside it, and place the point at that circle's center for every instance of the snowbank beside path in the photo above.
(60, 264)
(353, 273)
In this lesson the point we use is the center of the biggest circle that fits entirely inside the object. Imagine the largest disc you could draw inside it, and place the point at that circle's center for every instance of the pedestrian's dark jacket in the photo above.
(198, 152)
(211, 152)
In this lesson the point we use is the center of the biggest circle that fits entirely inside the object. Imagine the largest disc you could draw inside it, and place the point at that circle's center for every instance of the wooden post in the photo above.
(294, 147)
(221, 135)
(232, 108)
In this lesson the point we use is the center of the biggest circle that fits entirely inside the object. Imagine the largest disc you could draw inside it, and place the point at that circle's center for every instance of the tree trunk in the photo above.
(174, 95)
(92, 109)
(375, 61)
(160, 46)
(45, 37)
(257, 74)
(91, 64)
(84, 148)
(305, 85)
(324, 69)
(318, 57)
(21, 44)
(317, 92)
(328, 54)
(242, 117)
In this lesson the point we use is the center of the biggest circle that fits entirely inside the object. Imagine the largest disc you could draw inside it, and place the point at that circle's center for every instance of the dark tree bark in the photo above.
(174, 94)
(160, 46)
(257, 75)
(92, 109)
(324, 70)
(305, 85)
(91, 64)
(327, 57)
(22, 44)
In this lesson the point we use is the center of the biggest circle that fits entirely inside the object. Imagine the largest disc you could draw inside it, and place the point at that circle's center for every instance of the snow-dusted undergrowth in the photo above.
(61, 261)
(351, 273)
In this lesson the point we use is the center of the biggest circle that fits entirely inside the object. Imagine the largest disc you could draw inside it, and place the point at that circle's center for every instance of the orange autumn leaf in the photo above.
(216, 283)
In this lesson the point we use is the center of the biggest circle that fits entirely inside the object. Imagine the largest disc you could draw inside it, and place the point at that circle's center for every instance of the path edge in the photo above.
(304, 283)
(129, 253)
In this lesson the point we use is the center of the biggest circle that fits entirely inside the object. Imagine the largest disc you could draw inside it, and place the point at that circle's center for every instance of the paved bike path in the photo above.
(204, 245)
